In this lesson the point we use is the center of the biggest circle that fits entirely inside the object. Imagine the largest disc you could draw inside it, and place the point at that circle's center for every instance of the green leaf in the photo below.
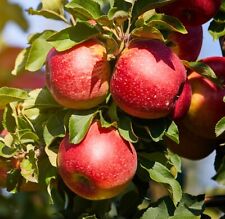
(47, 14)
(220, 127)
(202, 69)
(9, 122)
(56, 198)
(72, 36)
(112, 46)
(119, 16)
(104, 122)
(113, 112)
(156, 129)
(20, 62)
(166, 22)
(52, 153)
(173, 132)
(89, 9)
(148, 33)
(161, 174)
(125, 129)
(190, 207)
(54, 127)
(6, 151)
(29, 168)
(174, 160)
(27, 57)
(53, 5)
(27, 136)
(79, 123)
(159, 212)
(38, 51)
(8, 95)
(217, 28)
(42, 99)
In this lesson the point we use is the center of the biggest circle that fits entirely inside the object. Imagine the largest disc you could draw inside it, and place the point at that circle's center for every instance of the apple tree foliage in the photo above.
(36, 122)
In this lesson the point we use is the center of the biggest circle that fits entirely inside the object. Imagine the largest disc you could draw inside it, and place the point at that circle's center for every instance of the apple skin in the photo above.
(100, 167)
(207, 106)
(147, 79)
(78, 78)
(191, 146)
(183, 102)
(192, 12)
(187, 46)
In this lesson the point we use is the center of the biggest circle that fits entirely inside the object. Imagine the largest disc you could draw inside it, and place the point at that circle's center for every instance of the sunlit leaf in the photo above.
(79, 124)
(72, 36)
(8, 95)
(161, 174)
(125, 129)
(220, 127)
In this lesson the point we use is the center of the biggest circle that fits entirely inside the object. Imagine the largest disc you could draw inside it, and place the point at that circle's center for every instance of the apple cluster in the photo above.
(148, 81)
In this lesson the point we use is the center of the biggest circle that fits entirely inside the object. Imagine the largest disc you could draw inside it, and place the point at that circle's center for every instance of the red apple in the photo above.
(191, 146)
(147, 79)
(192, 12)
(207, 106)
(183, 102)
(100, 167)
(79, 77)
(187, 46)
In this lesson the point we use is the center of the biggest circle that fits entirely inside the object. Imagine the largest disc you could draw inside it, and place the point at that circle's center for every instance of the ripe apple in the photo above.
(100, 167)
(147, 79)
(191, 146)
(192, 12)
(79, 77)
(183, 102)
(207, 106)
(186, 46)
